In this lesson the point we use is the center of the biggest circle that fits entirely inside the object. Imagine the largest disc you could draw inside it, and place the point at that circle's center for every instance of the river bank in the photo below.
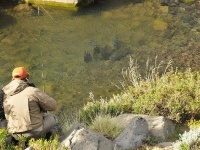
(52, 44)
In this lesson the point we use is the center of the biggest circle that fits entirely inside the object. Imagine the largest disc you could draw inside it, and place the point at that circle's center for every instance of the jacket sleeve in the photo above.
(46, 102)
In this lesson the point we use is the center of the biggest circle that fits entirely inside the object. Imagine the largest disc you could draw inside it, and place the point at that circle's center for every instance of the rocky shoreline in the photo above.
(138, 129)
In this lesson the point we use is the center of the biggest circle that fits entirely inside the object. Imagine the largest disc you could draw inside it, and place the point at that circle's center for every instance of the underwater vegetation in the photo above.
(87, 57)
(103, 53)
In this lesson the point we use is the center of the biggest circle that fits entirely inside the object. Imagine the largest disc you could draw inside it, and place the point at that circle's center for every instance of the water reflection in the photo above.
(70, 54)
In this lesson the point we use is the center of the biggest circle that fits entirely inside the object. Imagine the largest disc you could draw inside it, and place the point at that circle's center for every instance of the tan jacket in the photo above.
(24, 106)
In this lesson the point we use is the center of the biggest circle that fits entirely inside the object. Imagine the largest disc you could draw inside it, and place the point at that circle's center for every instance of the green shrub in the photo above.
(3, 135)
(113, 107)
(22, 143)
(40, 144)
(194, 124)
(168, 95)
(44, 144)
(163, 91)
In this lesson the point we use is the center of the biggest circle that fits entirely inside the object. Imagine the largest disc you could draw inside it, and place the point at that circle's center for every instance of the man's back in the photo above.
(24, 106)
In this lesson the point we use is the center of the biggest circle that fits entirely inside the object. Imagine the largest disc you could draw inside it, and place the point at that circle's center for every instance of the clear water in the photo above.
(52, 44)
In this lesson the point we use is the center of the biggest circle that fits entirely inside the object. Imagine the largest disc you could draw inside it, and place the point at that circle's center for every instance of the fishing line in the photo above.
(44, 10)
(43, 86)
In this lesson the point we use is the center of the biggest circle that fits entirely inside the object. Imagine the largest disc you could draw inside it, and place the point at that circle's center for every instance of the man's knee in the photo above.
(52, 125)
(49, 121)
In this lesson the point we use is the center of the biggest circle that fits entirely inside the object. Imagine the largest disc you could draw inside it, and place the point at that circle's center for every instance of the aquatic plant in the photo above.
(106, 52)
(116, 52)
(96, 52)
(87, 57)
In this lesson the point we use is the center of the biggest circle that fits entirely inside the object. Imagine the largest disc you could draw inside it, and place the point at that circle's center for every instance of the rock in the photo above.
(79, 138)
(133, 135)
(137, 129)
(159, 126)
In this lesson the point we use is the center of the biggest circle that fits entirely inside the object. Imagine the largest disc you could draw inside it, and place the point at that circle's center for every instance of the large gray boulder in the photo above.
(159, 127)
(133, 135)
(81, 138)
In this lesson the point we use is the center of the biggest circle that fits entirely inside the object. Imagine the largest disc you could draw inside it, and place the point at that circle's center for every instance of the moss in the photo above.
(159, 24)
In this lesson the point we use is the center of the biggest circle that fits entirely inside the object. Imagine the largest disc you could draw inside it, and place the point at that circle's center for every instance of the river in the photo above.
(72, 53)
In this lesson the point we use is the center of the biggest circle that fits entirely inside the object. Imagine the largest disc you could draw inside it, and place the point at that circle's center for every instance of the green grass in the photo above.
(106, 126)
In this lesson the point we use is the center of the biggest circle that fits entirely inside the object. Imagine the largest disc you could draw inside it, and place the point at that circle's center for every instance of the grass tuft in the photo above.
(107, 126)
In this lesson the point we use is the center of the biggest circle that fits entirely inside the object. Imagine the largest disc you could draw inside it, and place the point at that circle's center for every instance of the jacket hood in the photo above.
(14, 87)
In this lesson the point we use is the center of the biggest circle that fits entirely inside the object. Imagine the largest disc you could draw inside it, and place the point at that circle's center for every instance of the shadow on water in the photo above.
(104, 5)
(6, 20)
(4, 4)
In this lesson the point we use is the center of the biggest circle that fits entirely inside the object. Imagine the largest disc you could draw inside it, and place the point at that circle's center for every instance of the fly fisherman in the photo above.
(25, 107)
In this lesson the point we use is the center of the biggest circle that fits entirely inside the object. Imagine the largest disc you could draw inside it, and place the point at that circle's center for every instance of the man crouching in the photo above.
(25, 107)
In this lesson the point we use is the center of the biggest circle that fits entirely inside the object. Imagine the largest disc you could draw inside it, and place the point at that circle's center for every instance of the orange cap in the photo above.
(20, 73)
